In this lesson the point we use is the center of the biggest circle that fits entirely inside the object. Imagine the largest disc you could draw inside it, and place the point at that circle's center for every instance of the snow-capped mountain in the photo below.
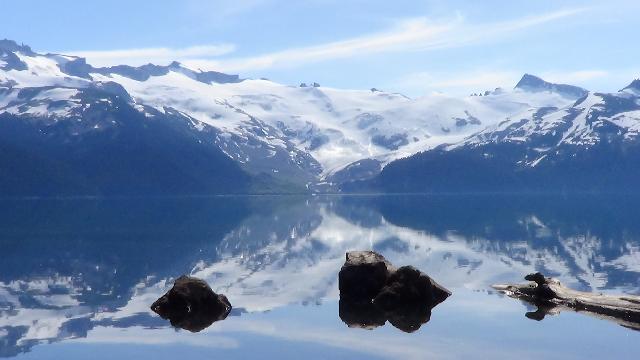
(312, 136)
(535, 84)
(592, 144)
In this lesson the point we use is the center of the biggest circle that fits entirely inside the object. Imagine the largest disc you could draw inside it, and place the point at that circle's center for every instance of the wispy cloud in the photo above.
(155, 55)
(417, 34)
(412, 34)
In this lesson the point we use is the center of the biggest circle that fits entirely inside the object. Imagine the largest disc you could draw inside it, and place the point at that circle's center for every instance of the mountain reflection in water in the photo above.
(85, 271)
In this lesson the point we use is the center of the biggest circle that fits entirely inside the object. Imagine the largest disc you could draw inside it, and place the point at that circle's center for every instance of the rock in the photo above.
(408, 286)
(191, 305)
(363, 275)
(372, 292)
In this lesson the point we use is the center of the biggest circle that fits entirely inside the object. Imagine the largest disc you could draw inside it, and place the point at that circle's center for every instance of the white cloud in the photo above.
(155, 55)
(459, 83)
(408, 35)
(418, 34)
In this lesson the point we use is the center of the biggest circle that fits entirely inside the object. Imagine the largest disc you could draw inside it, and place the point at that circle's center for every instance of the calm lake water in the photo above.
(77, 276)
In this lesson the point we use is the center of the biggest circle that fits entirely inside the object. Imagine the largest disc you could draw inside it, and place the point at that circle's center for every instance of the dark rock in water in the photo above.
(191, 305)
(372, 292)
(408, 286)
(363, 275)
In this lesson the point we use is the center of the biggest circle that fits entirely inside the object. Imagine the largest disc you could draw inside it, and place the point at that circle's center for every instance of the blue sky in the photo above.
(414, 47)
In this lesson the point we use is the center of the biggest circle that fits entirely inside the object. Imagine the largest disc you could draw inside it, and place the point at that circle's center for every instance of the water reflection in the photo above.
(407, 318)
(77, 269)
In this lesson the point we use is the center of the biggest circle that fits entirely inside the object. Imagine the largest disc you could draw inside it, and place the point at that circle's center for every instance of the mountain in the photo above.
(592, 145)
(91, 141)
(64, 133)
(535, 84)
(633, 88)
(69, 128)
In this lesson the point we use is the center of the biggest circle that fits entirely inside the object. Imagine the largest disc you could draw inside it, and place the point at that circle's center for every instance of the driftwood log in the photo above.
(551, 298)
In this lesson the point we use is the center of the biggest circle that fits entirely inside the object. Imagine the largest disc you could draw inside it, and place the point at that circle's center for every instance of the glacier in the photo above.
(314, 136)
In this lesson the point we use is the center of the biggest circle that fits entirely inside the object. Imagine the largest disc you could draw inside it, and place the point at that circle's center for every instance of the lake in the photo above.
(77, 276)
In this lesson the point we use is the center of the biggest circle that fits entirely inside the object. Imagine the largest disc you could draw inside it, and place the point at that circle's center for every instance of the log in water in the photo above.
(551, 298)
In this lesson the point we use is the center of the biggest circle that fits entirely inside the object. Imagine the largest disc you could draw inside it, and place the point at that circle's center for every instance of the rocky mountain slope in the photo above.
(591, 145)
(67, 127)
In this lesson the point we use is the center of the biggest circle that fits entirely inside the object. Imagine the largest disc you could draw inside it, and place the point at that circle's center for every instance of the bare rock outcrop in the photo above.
(372, 291)
(191, 305)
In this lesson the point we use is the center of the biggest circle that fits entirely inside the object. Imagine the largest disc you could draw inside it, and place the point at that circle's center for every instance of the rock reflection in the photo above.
(368, 315)
(75, 268)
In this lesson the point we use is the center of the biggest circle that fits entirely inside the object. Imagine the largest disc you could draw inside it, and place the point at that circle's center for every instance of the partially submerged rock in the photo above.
(191, 305)
(363, 275)
(551, 297)
(372, 291)
(408, 285)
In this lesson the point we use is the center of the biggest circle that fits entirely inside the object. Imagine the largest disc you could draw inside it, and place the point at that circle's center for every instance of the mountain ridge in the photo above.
(311, 139)
(533, 83)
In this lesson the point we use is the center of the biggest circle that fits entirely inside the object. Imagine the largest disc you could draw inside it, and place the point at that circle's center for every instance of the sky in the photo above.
(413, 47)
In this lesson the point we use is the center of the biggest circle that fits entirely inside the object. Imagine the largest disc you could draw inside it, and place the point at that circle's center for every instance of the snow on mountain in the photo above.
(336, 127)
(633, 88)
(586, 123)
(309, 134)
(589, 145)
(535, 84)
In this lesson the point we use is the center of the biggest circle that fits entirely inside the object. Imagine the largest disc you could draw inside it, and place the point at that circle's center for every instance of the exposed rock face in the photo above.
(408, 285)
(372, 292)
(191, 305)
(363, 275)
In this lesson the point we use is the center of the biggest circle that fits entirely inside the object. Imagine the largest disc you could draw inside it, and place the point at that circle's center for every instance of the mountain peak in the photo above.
(7, 45)
(533, 83)
(634, 86)
(11, 61)
(529, 80)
